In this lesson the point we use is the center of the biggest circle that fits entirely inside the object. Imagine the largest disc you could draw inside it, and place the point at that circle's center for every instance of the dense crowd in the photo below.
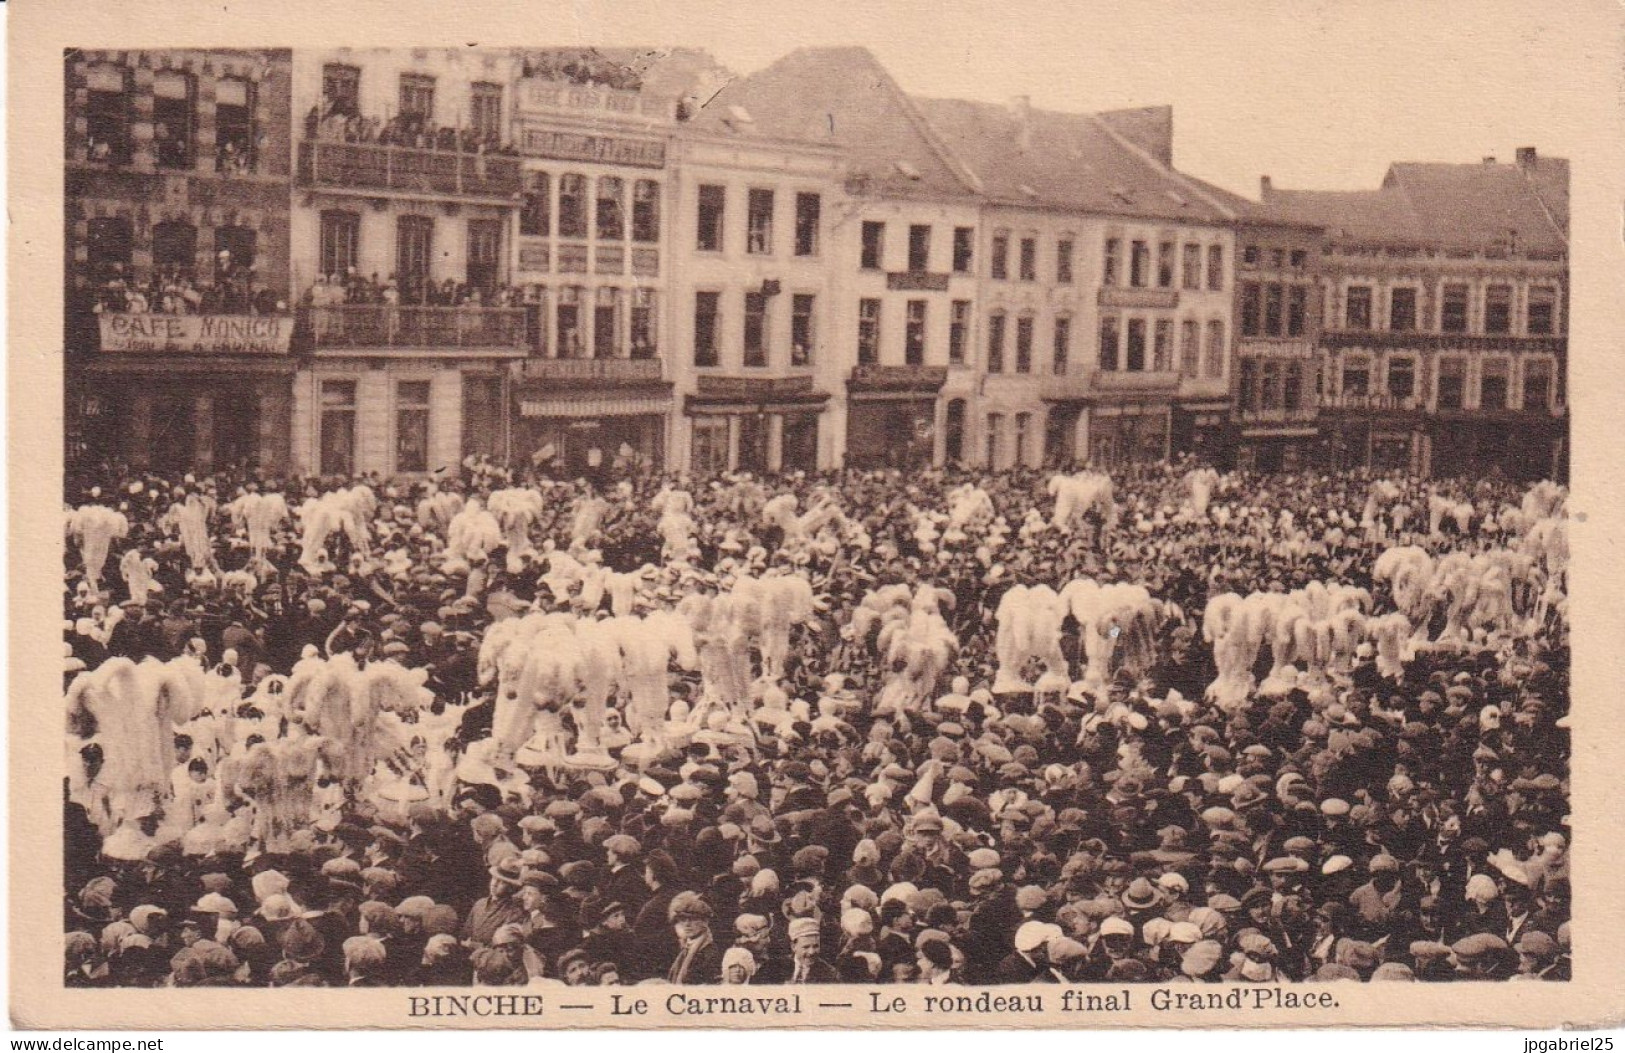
(334, 123)
(1385, 822)
(352, 287)
(236, 289)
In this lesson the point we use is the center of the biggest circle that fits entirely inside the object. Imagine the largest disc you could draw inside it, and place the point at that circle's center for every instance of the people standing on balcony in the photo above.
(411, 130)
(170, 291)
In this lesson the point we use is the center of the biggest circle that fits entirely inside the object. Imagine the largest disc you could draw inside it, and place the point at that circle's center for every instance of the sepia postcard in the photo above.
(970, 515)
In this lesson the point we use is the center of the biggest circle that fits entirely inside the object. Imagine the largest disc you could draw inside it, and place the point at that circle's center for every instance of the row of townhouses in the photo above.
(390, 260)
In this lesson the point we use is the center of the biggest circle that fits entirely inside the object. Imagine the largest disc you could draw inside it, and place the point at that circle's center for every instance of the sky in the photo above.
(1318, 94)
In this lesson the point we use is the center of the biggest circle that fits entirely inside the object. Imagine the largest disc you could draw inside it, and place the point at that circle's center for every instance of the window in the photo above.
(1191, 276)
(234, 251)
(1139, 274)
(1250, 255)
(414, 250)
(338, 427)
(1111, 264)
(1274, 303)
(172, 119)
(412, 426)
(868, 332)
(107, 115)
(108, 248)
(1063, 345)
(536, 208)
(1247, 393)
(759, 222)
(417, 96)
(705, 328)
(341, 238)
(1541, 316)
(1537, 384)
(233, 125)
(644, 334)
(1358, 313)
(1024, 344)
(341, 90)
(1215, 267)
(1494, 382)
(919, 247)
(1401, 377)
(958, 327)
(1190, 348)
(1162, 346)
(611, 211)
(484, 254)
(1109, 343)
(914, 334)
(606, 323)
(1063, 262)
(1297, 309)
(713, 204)
(485, 111)
(1165, 265)
(174, 248)
(1292, 392)
(995, 342)
(1453, 309)
(1356, 377)
(874, 245)
(1269, 393)
(755, 338)
(538, 318)
(954, 431)
(1452, 383)
(710, 453)
(1402, 310)
(1024, 424)
(1213, 367)
(646, 211)
(1498, 309)
(572, 205)
(1252, 308)
(1299, 257)
(802, 332)
(999, 265)
(1277, 258)
(1134, 357)
(964, 249)
(995, 439)
(571, 344)
(1029, 259)
(809, 215)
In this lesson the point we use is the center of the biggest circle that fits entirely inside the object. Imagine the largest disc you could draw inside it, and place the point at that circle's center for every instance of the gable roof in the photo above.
(1067, 160)
(845, 98)
(1464, 206)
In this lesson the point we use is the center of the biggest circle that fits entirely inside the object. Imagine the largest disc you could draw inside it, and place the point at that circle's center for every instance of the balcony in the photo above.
(925, 379)
(365, 167)
(1278, 415)
(1361, 402)
(1417, 341)
(599, 371)
(363, 327)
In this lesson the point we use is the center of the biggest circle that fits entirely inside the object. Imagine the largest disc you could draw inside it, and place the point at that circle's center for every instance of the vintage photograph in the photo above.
(547, 518)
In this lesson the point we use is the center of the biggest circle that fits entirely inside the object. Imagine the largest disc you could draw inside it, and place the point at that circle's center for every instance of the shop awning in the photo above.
(592, 406)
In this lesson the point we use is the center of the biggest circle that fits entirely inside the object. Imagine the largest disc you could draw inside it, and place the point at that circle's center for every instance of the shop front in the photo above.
(1124, 435)
(746, 424)
(891, 417)
(1201, 430)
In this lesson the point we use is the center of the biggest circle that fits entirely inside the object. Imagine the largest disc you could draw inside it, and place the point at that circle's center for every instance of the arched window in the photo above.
(234, 249)
(234, 125)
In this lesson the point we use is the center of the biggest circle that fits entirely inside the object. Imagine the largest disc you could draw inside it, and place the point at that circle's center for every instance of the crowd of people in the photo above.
(332, 122)
(236, 289)
(353, 288)
(1399, 819)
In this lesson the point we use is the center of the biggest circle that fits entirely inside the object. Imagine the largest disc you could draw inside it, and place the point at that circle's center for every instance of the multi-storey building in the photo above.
(1444, 337)
(897, 245)
(177, 330)
(1105, 287)
(406, 192)
(1276, 406)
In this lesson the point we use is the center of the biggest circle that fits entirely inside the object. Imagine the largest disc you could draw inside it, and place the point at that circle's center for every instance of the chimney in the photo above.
(1264, 187)
(1021, 108)
(1489, 160)
(1526, 157)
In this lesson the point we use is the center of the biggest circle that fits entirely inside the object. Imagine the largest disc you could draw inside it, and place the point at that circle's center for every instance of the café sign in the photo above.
(599, 149)
(229, 334)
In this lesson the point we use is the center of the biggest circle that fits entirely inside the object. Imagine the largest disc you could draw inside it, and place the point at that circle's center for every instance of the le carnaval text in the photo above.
(680, 1003)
